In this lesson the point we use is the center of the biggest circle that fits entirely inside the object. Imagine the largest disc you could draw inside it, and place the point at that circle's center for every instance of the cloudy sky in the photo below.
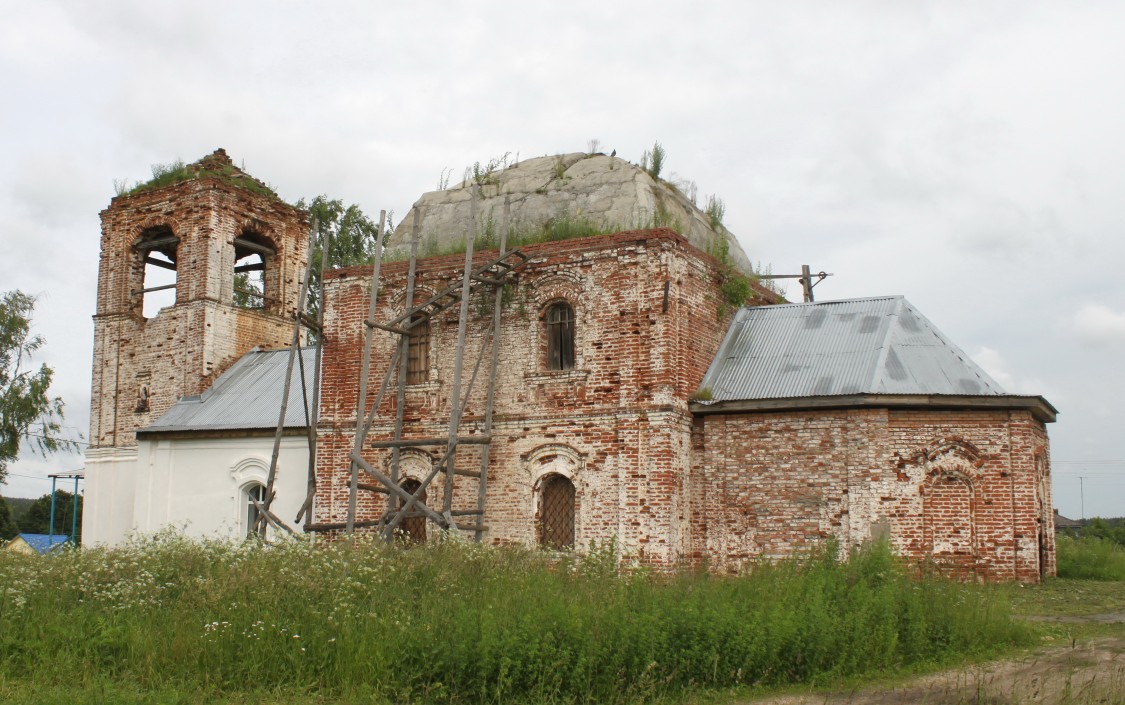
(966, 155)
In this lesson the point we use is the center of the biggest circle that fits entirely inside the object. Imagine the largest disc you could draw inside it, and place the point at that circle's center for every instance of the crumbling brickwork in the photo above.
(617, 424)
(968, 488)
(141, 367)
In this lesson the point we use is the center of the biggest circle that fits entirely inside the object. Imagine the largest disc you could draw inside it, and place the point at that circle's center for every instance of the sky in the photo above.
(965, 155)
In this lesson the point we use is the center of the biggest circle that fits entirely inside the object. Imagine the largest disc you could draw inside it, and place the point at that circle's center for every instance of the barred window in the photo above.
(560, 336)
(412, 529)
(418, 352)
(556, 513)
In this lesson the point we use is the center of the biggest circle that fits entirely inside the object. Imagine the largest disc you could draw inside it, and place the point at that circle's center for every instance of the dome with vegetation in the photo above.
(564, 196)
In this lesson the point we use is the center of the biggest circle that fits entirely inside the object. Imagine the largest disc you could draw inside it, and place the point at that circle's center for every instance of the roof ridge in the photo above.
(885, 346)
(959, 353)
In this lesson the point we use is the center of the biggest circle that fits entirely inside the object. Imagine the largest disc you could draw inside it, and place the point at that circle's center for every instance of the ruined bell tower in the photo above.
(198, 266)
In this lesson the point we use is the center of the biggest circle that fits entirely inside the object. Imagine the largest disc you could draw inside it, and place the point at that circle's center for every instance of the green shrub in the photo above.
(451, 622)
(1090, 558)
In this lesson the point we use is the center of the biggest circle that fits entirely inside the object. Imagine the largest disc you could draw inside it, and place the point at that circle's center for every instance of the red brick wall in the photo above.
(969, 488)
(182, 349)
(617, 424)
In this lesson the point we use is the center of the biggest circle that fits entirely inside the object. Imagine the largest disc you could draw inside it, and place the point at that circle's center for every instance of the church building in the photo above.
(628, 399)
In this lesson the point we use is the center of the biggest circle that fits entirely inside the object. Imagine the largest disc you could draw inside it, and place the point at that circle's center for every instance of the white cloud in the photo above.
(1100, 325)
(996, 366)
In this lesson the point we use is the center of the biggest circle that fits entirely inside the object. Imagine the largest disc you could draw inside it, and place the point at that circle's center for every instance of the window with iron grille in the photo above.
(413, 528)
(560, 336)
(418, 352)
(556, 513)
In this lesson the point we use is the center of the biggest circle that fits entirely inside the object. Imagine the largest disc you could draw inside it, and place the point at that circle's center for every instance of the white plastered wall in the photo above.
(194, 486)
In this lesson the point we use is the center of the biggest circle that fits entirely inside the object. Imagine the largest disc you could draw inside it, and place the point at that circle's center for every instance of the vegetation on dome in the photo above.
(208, 167)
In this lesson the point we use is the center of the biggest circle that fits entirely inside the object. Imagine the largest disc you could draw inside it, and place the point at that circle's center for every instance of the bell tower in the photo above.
(198, 266)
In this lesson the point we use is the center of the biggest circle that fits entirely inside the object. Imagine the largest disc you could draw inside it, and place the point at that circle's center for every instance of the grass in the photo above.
(1090, 558)
(464, 623)
(562, 227)
(177, 171)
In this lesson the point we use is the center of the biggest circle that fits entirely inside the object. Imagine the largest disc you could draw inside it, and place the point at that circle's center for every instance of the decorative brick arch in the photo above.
(546, 296)
(414, 465)
(396, 298)
(561, 286)
(136, 256)
(261, 234)
(155, 221)
(557, 458)
(549, 466)
(950, 501)
(247, 474)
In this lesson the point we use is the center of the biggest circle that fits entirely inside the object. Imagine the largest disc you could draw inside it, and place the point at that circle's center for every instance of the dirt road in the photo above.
(1061, 674)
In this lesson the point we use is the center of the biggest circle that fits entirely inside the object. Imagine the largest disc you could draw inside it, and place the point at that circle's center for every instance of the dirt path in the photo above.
(1086, 673)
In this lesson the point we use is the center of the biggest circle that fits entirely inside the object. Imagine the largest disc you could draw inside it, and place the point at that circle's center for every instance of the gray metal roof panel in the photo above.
(857, 346)
(247, 396)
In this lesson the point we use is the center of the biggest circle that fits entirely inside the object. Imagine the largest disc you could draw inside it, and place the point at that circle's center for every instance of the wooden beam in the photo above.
(156, 243)
(309, 322)
(390, 329)
(253, 246)
(153, 288)
(161, 263)
(253, 267)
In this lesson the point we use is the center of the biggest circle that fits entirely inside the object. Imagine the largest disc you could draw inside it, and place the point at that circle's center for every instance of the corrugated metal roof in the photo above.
(44, 543)
(858, 346)
(247, 396)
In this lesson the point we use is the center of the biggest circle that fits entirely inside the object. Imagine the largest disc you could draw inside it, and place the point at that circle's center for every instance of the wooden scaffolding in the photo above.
(487, 279)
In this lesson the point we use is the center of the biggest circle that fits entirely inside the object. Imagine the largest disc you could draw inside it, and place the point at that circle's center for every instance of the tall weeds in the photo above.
(1090, 558)
(464, 623)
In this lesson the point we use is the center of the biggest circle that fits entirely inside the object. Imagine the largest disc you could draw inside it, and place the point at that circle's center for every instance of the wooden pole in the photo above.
(294, 349)
(404, 351)
(365, 371)
(459, 356)
(493, 364)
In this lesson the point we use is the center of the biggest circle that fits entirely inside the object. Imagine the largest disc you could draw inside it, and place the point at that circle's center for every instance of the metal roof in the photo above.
(245, 397)
(857, 346)
(44, 543)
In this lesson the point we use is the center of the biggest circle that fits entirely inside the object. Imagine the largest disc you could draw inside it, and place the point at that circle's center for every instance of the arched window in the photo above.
(253, 257)
(560, 336)
(253, 492)
(418, 351)
(556, 513)
(156, 251)
(413, 528)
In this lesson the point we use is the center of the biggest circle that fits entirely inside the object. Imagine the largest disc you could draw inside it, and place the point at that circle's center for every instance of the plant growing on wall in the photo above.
(715, 211)
(653, 160)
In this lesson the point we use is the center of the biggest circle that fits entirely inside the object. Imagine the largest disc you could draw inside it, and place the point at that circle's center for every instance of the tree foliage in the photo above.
(8, 528)
(354, 238)
(27, 413)
(38, 517)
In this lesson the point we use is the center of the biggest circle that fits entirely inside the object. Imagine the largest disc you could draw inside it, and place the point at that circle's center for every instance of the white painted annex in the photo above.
(196, 468)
